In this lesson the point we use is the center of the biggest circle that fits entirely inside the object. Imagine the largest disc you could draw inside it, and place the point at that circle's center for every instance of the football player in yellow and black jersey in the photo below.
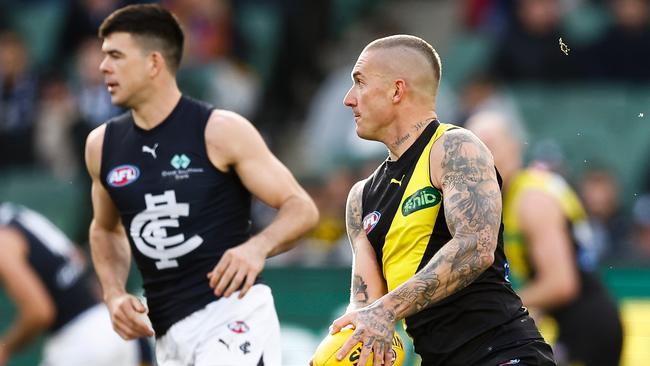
(425, 228)
(547, 239)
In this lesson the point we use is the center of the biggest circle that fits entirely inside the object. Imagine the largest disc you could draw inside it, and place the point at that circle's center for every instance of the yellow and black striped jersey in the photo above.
(533, 179)
(404, 221)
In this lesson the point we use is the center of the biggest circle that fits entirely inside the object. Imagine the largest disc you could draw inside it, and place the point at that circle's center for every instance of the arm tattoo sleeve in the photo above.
(359, 291)
(472, 203)
(353, 212)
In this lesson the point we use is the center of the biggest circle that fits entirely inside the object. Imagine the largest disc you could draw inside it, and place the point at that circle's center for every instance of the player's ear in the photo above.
(399, 88)
(156, 63)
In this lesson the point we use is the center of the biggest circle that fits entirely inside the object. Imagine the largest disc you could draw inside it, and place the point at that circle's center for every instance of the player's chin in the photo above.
(365, 134)
(119, 101)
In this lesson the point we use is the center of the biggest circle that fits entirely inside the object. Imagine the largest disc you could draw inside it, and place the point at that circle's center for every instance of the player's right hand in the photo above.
(129, 317)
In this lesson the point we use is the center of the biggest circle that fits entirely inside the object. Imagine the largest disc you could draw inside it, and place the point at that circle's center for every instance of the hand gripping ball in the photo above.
(325, 354)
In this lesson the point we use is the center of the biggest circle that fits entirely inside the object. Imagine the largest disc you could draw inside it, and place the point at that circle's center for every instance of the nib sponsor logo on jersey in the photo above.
(421, 199)
(181, 164)
(149, 230)
(122, 175)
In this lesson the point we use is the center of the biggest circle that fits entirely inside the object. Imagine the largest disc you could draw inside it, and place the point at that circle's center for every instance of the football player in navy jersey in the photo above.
(45, 276)
(172, 185)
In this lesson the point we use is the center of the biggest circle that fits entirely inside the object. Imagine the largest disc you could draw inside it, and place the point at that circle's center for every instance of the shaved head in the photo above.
(411, 58)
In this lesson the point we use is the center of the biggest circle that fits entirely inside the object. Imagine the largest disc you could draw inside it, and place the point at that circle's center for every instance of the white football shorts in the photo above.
(227, 332)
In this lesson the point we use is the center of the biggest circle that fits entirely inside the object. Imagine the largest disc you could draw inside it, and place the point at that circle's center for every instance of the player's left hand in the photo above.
(374, 326)
(238, 267)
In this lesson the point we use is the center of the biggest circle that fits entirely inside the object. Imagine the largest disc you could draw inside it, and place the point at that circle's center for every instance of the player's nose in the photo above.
(349, 100)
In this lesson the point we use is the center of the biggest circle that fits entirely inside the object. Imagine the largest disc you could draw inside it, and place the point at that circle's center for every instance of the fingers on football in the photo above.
(378, 353)
(349, 344)
(340, 323)
(366, 350)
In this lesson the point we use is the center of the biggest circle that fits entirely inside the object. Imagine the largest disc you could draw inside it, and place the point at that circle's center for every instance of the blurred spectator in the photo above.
(488, 16)
(81, 21)
(293, 71)
(328, 138)
(623, 52)
(530, 50)
(327, 244)
(548, 154)
(93, 100)
(211, 67)
(57, 114)
(18, 93)
(482, 94)
(207, 24)
(641, 231)
(600, 193)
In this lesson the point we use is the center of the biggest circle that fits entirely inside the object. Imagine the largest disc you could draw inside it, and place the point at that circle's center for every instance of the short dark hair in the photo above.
(414, 43)
(153, 24)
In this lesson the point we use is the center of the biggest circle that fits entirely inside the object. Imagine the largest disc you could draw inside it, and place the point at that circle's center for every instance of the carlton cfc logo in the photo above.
(370, 221)
(122, 175)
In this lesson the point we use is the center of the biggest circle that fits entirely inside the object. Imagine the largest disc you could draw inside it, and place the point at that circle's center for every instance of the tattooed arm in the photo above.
(368, 283)
(464, 168)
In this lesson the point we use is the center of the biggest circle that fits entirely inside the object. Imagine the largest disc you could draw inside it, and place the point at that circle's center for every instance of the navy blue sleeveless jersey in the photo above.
(180, 212)
(55, 260)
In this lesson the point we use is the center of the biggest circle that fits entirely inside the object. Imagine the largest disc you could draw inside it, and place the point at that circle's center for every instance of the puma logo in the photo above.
(150, 150)
(398, 182)
(224, 343)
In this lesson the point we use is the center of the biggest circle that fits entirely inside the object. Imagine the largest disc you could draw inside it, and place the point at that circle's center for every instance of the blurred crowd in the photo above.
(285, 65)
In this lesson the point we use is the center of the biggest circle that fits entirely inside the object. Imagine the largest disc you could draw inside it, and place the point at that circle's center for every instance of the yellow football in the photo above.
(325, 354)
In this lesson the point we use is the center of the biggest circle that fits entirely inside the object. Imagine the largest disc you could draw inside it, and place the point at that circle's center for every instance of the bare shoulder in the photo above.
(228, 135)
(225, 125)
(459, 151)
(357, 189)
(13, 245)
(537, 206)
(354, 210)
(94, 144)
(356, 192)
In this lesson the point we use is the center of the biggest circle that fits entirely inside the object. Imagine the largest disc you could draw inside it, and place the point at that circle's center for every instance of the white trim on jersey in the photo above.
(53, 238)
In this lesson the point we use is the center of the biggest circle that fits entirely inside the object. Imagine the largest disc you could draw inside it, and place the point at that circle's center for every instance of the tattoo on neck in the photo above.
(401, 140)
(422, 124)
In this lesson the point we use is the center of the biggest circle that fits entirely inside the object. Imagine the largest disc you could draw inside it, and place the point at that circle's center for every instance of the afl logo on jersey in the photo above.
(123, 175)
(370, 221)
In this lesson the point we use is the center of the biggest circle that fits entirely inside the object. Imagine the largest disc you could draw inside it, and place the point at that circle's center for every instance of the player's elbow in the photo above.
(567, 289)
(40, 316)
(310, 213)
(487, 260)
(487, 255)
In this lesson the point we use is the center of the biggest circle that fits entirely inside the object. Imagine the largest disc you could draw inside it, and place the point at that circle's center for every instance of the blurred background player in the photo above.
(547, 240)
(45, 275)
(174, 176)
